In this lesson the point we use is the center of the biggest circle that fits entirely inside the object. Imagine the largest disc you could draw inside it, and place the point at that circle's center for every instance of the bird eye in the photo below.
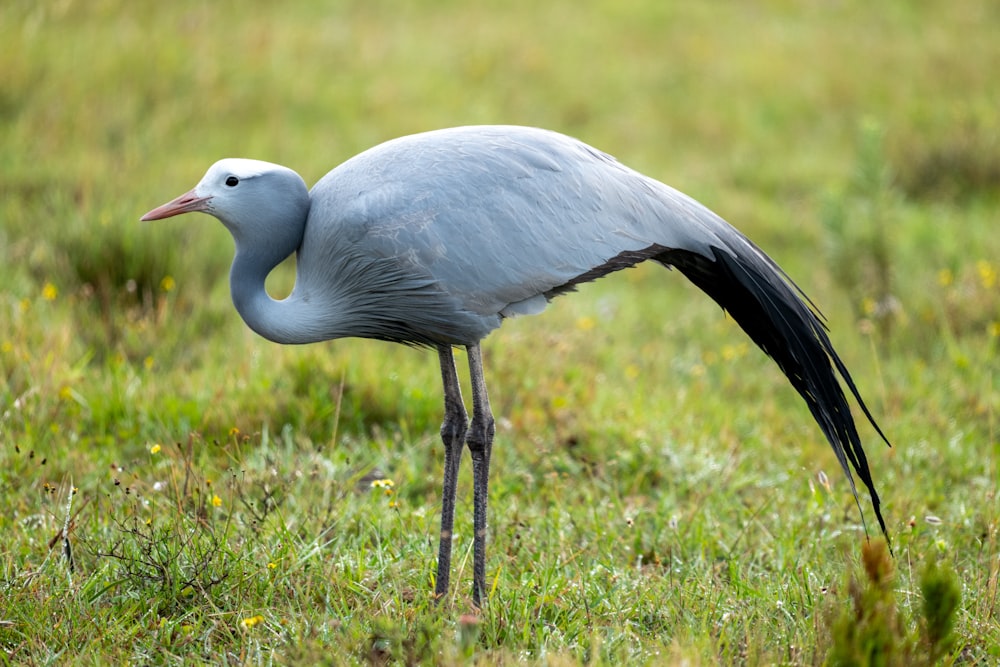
(232, 181)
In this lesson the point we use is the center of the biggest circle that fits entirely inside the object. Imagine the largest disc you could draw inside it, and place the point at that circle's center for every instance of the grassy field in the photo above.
(660, 494)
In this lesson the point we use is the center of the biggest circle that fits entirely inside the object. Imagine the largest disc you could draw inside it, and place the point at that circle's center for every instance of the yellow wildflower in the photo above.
(50, 292)
(987, 274)
(586, 323)
(168, 284)
(248, 623)
(155, 449)
(216, 501)
(382, 483)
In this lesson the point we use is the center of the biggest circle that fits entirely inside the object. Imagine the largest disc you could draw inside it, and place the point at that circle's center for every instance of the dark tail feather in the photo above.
(764, 302)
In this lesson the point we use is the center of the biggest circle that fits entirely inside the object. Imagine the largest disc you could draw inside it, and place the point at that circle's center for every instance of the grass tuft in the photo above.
(857, 223)
(876, 630)
(963, 164)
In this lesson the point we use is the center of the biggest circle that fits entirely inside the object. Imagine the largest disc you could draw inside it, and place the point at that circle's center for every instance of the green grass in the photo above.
(659, 496)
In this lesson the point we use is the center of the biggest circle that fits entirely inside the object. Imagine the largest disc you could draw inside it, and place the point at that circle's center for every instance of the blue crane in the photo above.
(433, 239)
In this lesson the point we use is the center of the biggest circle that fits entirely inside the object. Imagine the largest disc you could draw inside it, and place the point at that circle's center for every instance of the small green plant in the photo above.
(856, 222)
(873, 631)
(170, 538)
(171, 558)
(942, 596)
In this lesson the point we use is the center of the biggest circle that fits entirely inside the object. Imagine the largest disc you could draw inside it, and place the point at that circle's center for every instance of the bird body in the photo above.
(433, 239)
(392, 245)
(493, 220)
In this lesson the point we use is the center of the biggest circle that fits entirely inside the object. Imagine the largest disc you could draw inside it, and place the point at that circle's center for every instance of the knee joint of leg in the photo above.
(480, 433)
(454, 428)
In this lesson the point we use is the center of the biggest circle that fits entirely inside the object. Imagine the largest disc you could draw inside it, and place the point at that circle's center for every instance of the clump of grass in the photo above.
(873, 630)
(175, 558)
(170, 538)
(942, 596)
(124, 279)
(955, 167)
(967, 299)
(417, 644)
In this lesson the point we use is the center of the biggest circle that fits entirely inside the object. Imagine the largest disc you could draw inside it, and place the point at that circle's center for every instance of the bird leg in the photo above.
(480, 442)
(453, 431)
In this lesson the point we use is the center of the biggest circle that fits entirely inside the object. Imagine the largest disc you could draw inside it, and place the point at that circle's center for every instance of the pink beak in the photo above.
(186, 203)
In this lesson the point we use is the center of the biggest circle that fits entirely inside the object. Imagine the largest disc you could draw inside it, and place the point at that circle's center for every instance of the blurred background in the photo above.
(857, 144)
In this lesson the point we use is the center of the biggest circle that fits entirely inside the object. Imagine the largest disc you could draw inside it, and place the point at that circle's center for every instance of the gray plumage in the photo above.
(433, 239)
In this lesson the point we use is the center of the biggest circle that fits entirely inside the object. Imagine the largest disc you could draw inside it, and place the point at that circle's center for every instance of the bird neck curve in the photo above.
(260, 312)
(289, 321)
(260, 248)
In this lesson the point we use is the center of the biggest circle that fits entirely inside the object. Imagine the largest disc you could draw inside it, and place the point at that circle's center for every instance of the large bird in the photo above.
(433, 239)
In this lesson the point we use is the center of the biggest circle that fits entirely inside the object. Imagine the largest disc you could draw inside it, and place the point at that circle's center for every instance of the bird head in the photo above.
(257, 201)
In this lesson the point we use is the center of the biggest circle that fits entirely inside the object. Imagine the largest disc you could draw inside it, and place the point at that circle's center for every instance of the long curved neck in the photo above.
(264, 315)
(290, 321)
